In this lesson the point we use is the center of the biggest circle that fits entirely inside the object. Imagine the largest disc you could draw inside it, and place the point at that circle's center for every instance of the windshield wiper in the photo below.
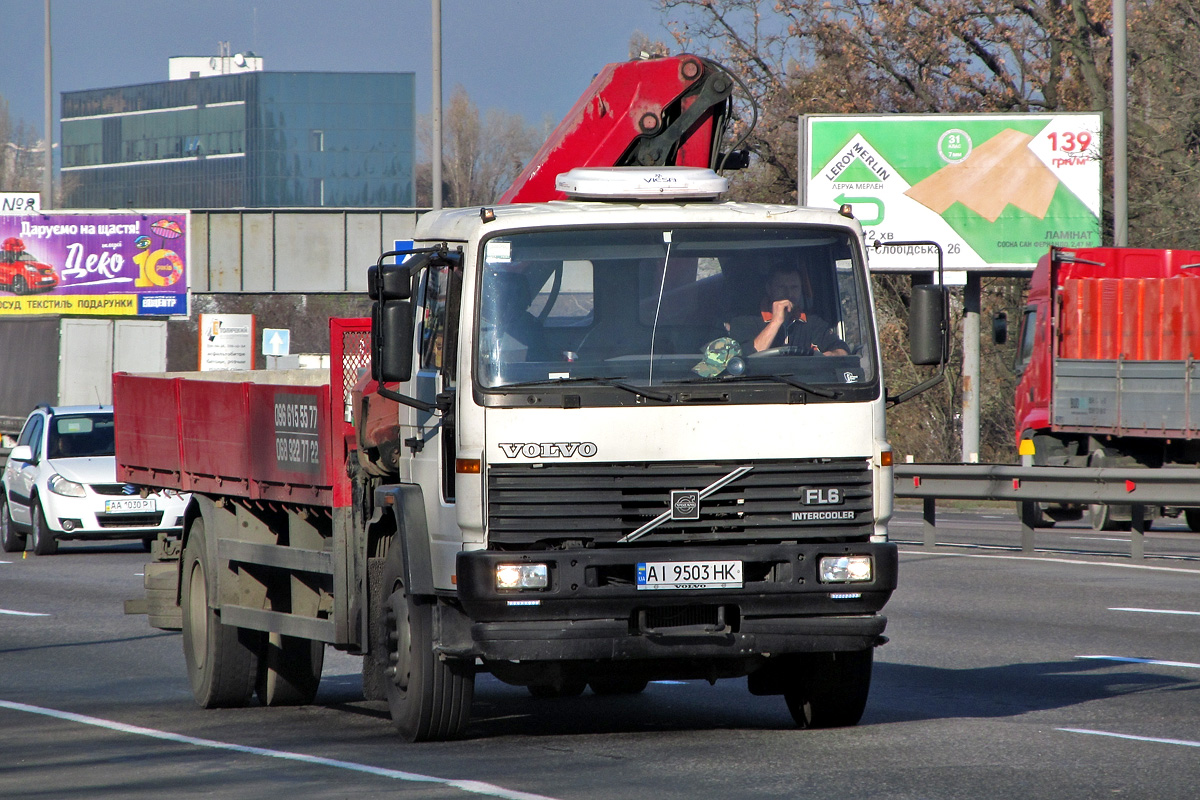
(617, 382)
(787, 379)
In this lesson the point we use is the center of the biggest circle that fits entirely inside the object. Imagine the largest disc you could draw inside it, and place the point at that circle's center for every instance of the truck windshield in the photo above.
(656, 306)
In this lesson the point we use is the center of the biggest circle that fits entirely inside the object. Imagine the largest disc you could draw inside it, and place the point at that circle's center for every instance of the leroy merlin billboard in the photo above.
(994, 190)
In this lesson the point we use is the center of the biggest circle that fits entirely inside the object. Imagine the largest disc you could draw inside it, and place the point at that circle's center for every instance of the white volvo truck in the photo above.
(598, 449)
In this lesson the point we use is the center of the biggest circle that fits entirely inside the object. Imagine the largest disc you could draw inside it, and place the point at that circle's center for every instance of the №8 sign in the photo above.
(996, 191)
(111, 264)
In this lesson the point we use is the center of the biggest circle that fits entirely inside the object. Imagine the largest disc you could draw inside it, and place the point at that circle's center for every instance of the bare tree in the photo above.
(480, 155)
(20, 154)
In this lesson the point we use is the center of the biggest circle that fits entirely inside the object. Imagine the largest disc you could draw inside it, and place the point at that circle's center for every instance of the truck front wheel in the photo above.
(829, 690)
(429, 697)
(222, 661)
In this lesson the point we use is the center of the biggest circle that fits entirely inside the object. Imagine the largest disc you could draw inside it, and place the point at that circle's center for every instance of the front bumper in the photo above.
(594, 610)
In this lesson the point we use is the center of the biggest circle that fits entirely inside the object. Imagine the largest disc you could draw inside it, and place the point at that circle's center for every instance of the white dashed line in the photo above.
(1048, 560)
(1153, 739)
(22, 613)
(1158, 611)
(469, 786)
(1133, 660)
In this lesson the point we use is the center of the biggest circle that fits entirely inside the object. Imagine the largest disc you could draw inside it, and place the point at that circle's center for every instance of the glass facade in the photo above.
(261, 139)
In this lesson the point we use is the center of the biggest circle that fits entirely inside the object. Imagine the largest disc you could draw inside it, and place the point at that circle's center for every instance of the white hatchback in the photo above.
(61, 483)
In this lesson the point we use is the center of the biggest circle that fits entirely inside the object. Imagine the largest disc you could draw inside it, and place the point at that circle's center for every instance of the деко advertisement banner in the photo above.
(110, 264)
(996, 191)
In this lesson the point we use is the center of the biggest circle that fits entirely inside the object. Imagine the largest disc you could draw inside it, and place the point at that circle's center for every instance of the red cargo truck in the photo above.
(1107, 369)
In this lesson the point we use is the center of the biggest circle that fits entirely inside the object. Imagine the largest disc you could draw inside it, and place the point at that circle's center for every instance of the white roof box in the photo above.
(641, 183)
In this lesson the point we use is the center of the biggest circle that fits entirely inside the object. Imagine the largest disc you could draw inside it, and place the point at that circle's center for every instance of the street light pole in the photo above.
(1120, 129)
(48, 162)
(436, 155)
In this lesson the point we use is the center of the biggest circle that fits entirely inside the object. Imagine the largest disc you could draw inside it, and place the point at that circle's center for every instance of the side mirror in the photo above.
(1000, 327)
(21, 452)
(928, 327)
(389, 282)
(391, 341)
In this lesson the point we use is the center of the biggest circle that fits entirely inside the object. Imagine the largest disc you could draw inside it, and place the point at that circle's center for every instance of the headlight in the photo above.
(846, 569)
(522, 576)
(60, 485)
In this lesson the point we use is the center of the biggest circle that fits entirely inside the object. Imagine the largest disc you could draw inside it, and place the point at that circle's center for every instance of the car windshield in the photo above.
(81, 436)
(650, 306)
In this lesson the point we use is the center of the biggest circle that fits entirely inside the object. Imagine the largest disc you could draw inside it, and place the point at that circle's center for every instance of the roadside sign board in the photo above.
(113, 263)
(226, 341)
(996, 191)
(276, 341)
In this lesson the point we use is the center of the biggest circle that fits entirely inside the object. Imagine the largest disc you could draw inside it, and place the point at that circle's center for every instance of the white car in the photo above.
(61, 483)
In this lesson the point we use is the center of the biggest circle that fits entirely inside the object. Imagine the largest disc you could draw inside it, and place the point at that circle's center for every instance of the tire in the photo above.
(1040, 520)
(618, 684)
(41, 537)
(829, 690)
(11, 541)
(568, 688)
(1101, 519)
(222, 660)
(289, 670)
(1192, 515)
(429, 697)
(19, 286)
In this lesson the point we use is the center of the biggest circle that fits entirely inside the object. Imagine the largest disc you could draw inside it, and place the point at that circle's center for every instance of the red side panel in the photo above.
(149, 445)
(1108, 321)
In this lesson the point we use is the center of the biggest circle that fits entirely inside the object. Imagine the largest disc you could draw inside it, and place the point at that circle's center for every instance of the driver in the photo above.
(786, 322)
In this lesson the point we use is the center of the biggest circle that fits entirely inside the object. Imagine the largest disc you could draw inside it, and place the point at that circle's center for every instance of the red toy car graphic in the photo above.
(21, 273)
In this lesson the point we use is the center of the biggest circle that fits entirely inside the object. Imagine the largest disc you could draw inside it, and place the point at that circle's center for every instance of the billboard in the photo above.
(108, 264)
(996, 191)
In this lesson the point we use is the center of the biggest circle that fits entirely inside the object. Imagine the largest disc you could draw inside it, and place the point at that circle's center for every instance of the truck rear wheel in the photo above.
(829, 690)
(429, 697)
(221, 659)
(289, 670)
(1101, 516)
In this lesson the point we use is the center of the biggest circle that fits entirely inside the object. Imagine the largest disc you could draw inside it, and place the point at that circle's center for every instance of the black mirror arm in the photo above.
(405, 400)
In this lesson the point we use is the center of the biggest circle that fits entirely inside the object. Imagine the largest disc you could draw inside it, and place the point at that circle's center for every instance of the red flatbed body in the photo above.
(261, 435)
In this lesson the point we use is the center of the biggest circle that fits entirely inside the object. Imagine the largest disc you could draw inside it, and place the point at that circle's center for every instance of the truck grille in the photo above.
(542, 505)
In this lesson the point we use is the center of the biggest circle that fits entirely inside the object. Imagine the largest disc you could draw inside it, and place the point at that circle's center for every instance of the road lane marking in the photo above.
(22, 613)
(1133, 660)
(1047, 560)
(1158, 611)
(1153, 739)
(469, 786)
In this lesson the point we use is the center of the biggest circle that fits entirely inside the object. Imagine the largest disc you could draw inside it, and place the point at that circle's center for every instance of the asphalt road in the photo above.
(1054, 676)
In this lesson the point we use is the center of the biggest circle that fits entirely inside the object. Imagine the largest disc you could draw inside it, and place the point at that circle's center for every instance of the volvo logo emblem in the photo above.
(685, 504)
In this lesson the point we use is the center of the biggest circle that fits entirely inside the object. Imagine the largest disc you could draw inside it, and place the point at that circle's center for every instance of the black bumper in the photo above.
(594, 610)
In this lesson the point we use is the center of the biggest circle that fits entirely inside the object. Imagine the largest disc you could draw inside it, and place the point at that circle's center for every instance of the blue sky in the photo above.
(531, 57)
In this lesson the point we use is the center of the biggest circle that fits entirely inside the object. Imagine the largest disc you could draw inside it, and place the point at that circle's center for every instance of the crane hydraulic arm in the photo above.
(655, 112)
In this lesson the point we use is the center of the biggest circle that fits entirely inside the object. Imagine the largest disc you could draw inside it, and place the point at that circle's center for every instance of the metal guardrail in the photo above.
(1137, 488)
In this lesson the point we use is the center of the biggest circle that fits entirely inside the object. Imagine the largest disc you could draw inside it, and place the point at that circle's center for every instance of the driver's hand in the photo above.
(780, 310)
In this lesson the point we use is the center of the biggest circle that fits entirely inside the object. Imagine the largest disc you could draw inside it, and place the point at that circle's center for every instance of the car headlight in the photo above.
(846, 569)
(60, 485)
(511, 577)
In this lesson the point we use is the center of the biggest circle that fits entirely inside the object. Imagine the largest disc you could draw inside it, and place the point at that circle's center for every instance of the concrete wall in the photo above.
(295, 251)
